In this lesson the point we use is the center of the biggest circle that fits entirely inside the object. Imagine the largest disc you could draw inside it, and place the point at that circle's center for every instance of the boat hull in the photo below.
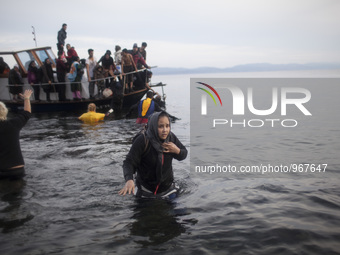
(71, 106)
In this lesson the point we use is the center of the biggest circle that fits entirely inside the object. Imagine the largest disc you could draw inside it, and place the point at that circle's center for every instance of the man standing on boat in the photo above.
(91, 63)
(62, 68)
(142, 50)
(47, 78)
(128, 66)
(62, 35)
(109, 67)
(118, 58)
(141, 64)
(138, 58)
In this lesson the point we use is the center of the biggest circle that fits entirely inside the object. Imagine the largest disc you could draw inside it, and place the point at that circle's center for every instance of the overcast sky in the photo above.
(182, 33)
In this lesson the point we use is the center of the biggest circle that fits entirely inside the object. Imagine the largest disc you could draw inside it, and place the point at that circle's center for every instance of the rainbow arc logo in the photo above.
(204, 97)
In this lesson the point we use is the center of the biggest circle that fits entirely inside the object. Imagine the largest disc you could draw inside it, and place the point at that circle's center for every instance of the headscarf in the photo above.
(31, 68)
(152, 132)
(33, 73)
(156, 142)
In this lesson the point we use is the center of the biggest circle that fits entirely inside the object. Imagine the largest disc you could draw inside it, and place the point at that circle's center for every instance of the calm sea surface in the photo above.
(68, 202)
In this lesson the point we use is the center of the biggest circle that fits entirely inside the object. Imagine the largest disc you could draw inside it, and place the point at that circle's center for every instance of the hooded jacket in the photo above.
(153, 167)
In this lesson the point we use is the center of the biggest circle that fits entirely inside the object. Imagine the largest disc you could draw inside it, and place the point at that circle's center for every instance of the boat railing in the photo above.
(92, 80)
(54, 85)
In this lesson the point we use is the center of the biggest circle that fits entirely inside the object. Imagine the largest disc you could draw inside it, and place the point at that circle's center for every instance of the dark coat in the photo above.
(15, 78)
(62, 35)
(46, 76)
(153, 167)
(10, 152)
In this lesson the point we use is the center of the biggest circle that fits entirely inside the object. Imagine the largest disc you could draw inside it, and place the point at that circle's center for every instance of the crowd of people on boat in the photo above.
(123, 66)
(128, 68)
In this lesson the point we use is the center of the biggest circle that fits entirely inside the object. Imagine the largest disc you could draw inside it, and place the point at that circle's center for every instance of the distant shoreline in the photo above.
(257, 67)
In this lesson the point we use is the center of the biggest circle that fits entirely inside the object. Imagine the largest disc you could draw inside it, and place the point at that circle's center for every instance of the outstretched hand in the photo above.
(27, 94)
(109, 112)
(129, 188)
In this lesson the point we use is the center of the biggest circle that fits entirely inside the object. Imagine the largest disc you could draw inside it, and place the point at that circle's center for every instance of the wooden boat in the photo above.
(55, 105)
(24, 57)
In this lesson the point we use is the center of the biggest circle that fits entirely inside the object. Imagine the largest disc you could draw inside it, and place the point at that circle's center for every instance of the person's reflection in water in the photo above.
(155, 221)
(13, 214)
(91, 131)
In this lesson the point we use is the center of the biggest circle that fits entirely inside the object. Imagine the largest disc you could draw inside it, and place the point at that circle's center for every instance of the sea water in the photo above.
(68, 201)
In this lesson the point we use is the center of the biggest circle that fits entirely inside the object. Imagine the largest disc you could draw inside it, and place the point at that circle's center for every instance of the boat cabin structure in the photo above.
(39, 55)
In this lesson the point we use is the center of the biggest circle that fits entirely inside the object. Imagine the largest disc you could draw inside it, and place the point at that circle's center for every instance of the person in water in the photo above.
(91, 116)
(145, 108)
(151, 156)
(159, 101)
(11, 159)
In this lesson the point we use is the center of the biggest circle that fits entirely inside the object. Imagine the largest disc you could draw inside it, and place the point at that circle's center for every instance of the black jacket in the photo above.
(62, 36)
(14, 78)
(10, 152)
(145, 161)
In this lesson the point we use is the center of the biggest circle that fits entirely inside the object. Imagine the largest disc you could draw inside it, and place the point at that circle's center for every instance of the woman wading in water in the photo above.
(151, 157)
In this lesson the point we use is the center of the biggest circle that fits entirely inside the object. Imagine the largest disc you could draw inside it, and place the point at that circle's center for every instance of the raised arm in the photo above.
(27, 103)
